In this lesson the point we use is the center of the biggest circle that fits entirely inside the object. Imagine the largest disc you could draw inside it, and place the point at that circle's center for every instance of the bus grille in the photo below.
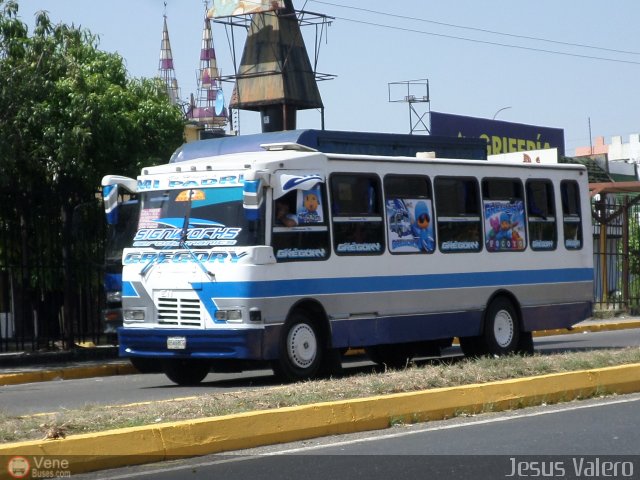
(182, 312)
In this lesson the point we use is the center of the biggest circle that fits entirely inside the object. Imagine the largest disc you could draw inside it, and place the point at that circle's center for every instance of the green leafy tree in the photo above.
(69, 114)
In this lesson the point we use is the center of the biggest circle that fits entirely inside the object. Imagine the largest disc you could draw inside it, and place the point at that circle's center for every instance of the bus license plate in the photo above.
(176, 343)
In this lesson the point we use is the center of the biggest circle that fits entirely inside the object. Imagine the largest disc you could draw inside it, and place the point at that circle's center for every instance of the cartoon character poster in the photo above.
(504, 225)
(410, 224)
(309, 207)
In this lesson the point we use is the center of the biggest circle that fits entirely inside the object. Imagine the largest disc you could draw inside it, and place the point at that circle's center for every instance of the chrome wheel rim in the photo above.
(503, 328)
(302, 345)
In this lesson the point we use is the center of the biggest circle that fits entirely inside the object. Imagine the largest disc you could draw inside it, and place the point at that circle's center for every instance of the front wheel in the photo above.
(301, 352)
(146, 365)
(186, 371)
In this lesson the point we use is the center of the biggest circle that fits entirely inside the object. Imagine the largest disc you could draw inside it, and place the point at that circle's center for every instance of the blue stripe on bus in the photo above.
(128, 290)
(324, 286)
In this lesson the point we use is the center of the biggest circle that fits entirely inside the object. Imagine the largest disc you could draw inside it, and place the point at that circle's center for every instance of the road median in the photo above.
(125, 368)
(139, 445)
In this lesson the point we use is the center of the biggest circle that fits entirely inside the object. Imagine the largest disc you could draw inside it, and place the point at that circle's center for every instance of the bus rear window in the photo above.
(541, 215)
(571, 215)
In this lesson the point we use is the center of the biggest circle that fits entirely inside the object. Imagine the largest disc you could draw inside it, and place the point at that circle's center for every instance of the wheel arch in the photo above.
(503, 293)
(317, 314)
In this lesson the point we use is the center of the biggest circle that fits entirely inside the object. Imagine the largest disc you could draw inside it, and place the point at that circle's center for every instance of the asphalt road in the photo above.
(54, 396)
(573, 440)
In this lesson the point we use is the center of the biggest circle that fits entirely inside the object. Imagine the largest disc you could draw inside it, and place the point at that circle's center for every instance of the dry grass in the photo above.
(94, 418)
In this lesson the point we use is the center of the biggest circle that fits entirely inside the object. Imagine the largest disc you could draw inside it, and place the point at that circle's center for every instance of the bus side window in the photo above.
(541, 215)
(459, 226)
(571, 214)
(358, 227)
(504, 218)
(300, 230)
(409, 213)
(284, 210)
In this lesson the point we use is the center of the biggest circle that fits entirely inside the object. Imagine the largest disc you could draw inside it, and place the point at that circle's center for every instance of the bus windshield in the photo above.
(202, 217)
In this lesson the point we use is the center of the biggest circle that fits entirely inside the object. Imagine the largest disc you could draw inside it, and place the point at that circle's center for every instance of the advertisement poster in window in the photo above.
(504, 225)
(410, 225)
(309, 207)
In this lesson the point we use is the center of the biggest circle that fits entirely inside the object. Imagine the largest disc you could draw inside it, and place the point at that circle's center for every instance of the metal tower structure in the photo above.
(415, 93)
(209, 108)
(165, 67)
(275, 76)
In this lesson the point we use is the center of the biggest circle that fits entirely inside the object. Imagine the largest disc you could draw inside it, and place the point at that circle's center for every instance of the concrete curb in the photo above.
(590, 327)
(166, 441)
(67, 373)
(125, 368)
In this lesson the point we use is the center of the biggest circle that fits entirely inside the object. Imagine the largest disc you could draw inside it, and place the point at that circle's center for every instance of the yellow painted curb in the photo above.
(67, 373)
(596, 327)
(232, 432)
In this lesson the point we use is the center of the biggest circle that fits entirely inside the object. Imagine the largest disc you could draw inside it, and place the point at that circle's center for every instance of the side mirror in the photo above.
(253, 194)
(110, 190)
(110, 198)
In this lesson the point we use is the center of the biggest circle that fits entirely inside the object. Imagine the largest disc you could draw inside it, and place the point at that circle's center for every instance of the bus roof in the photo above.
(330, 141)
(272, 159)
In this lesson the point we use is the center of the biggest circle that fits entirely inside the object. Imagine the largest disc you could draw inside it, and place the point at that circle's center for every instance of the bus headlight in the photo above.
(133, 315)
(232, 315)
(114, 297)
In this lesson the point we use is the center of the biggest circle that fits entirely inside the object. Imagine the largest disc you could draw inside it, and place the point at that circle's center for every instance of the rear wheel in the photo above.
(502, 328)
(186, 371)
(301, 351)
(525, 345)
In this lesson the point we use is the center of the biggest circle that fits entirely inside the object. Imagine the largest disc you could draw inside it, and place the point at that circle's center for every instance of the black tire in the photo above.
(525, 345)
(391, 356)
(472, 346)
(501, 328)
(301, 351)
(331, 363)
(146, 365)
(186, 371)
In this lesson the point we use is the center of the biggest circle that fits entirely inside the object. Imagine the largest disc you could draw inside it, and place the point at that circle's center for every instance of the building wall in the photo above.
(625, 151)
(599, 148)
(616, 150)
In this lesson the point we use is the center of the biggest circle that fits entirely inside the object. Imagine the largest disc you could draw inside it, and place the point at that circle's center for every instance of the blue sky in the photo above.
(471, 71)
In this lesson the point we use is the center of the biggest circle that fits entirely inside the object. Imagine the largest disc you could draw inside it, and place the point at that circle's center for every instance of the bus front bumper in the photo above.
(246, 344)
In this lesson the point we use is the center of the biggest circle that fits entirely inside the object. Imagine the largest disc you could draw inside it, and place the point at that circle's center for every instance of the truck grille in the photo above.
(182, 312)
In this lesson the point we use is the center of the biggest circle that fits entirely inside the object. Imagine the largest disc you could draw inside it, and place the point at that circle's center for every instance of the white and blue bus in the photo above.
(292, 256)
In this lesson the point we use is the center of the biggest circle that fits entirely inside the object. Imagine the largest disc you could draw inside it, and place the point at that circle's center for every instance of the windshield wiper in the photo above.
(153, 261)
(183, 239)
(181, 243)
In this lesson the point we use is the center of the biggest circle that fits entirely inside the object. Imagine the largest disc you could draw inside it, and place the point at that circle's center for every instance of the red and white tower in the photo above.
(209, 108)
(165, 68)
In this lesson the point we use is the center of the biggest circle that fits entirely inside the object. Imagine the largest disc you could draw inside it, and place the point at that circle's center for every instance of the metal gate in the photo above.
(616, 246)
(35, 281)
